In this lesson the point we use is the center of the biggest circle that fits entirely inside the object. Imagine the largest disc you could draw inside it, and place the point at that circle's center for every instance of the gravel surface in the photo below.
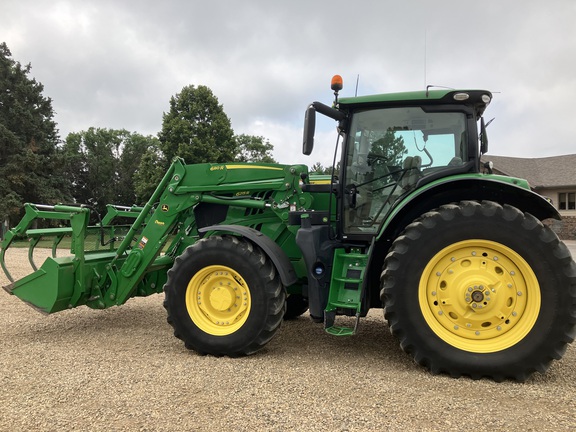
(122, 370)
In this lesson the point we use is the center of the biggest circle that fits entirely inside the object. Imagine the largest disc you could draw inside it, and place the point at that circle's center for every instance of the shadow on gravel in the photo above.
(373, 347)
(298, 341)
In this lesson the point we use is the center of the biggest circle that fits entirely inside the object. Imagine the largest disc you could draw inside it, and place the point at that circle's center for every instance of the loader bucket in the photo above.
(50, 288)
(67, 281)
(104, 264)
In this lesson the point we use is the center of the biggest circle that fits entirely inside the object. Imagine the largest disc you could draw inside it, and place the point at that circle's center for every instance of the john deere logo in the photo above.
(165, 207)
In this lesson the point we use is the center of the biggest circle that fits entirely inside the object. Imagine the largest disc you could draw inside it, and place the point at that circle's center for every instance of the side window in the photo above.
(389, 150)
(567, 201)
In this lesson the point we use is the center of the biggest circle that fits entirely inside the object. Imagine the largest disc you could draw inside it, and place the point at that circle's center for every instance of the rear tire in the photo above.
(482, 290)
(224, 297)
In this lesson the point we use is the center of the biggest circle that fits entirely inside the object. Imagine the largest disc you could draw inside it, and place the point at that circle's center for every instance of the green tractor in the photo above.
(470, 279)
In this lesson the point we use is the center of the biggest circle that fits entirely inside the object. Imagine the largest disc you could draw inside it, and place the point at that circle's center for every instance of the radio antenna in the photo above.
(425, 59)
(357, 79)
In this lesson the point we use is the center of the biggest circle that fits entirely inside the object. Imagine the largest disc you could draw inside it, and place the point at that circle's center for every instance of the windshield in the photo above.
(389, 150)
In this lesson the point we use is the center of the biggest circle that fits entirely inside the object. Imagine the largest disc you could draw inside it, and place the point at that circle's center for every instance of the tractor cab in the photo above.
(395, 143)
(389, 151)
(396, 148)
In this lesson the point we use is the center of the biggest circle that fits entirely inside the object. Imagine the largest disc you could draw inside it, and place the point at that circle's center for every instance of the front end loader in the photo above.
(471, 281)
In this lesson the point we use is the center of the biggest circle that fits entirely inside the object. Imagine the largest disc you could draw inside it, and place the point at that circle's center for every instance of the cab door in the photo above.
(388, 151)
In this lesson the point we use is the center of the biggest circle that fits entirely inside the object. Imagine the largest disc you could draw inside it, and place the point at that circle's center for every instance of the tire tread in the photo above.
(400, 253)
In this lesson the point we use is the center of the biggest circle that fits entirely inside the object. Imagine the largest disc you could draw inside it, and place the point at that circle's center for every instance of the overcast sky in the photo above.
(115, 64)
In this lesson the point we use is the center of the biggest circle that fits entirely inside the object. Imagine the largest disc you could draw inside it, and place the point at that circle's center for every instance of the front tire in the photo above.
(224, 297)
(482, 290)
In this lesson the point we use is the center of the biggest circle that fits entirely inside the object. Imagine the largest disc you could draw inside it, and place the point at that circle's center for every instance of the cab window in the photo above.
(389, 150)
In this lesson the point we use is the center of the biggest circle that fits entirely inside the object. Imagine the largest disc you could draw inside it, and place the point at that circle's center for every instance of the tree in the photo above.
(390, 148)
(150, 171)
(196, 128)
(30, 169)
(253, 149)
(91, 161)
(318, 168)
(136, 147)
(102, 163)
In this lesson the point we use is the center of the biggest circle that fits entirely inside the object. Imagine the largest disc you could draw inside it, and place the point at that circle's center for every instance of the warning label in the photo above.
(142, 242)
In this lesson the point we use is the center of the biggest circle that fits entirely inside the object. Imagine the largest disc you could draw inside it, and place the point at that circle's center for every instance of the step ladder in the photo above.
(346, 289)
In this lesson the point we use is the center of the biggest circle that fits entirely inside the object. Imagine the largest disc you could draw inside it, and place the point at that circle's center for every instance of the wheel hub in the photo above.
(477, 296)
(221, 298)
(480, 308)
(478, 291)
(218, 300)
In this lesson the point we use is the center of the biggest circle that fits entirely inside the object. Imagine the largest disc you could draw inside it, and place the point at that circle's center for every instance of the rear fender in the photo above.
(465, 189)
(439, 193)
(270, 248)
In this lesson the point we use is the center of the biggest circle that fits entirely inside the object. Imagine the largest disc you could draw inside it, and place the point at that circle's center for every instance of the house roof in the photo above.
(554, 171)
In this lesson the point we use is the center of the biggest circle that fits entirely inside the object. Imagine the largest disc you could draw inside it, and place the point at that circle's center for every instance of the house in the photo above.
(552, 177)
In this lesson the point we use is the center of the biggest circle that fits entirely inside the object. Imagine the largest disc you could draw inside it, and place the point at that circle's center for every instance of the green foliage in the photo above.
(318, 168)
(30, 168)
(390, 148)
(253, 149)
(136, 147)
(150, 171)
(196, 128)
(102, 163)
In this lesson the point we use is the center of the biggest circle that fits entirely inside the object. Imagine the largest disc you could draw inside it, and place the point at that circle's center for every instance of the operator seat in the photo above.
(411, 172)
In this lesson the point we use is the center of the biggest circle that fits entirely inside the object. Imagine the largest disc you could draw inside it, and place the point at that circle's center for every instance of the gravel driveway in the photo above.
(121, 370)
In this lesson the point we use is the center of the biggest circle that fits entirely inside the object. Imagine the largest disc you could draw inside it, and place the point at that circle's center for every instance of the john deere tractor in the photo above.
(470, 279)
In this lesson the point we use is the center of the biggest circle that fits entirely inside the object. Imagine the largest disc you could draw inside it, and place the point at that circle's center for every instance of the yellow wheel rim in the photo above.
(479, 296)
(218, 300)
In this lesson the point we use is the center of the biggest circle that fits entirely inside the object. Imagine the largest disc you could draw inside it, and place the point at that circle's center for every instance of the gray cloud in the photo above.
(116, 64)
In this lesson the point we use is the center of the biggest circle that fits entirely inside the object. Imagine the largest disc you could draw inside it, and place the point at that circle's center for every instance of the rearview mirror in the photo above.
(310, 123)
(483, 137)
(309, 129)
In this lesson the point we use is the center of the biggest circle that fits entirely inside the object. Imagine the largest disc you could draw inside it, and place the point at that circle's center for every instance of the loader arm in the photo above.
(150, 231)
(182, 188)
(133, 264)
